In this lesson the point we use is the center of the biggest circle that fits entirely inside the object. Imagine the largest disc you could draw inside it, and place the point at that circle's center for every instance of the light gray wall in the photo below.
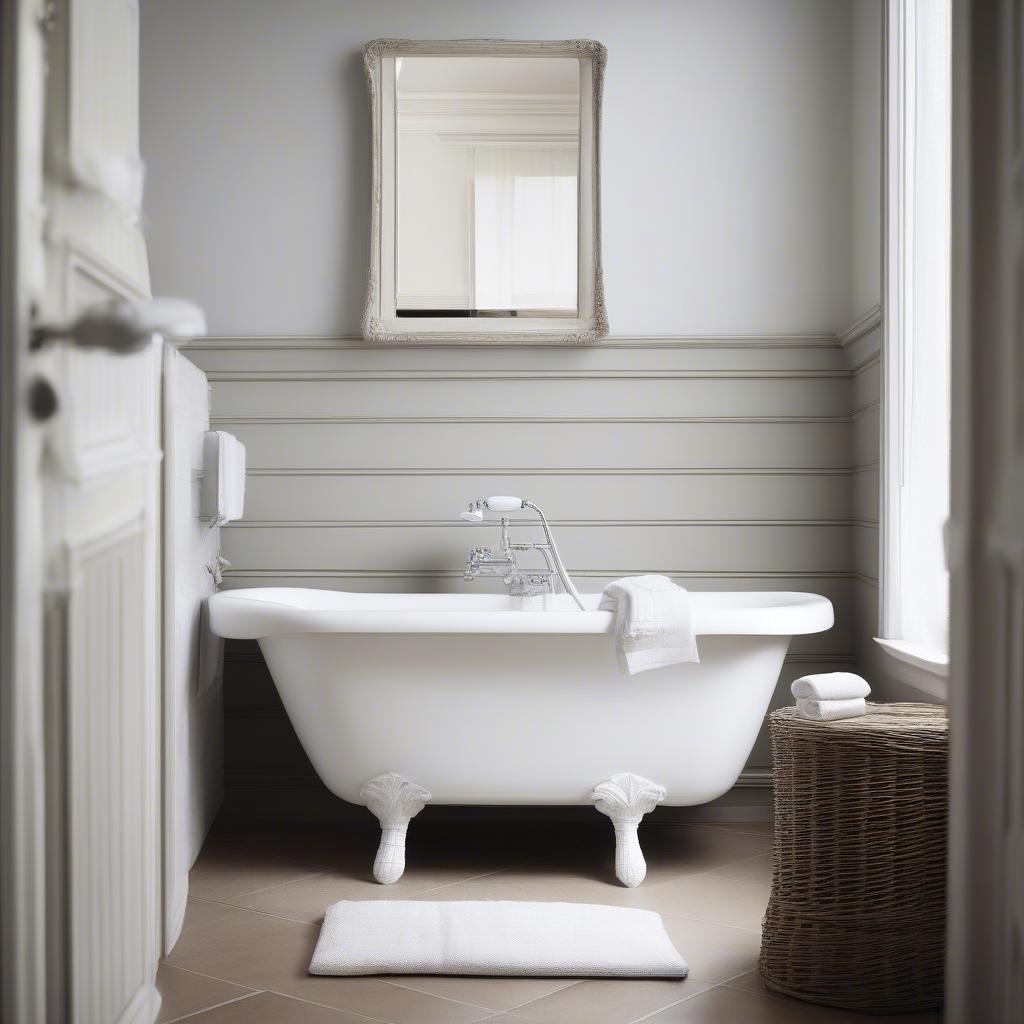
(725, 168)
(865, 156)
(723, 461)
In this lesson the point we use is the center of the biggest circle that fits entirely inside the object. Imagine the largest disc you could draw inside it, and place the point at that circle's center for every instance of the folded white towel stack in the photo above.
(830, 696)
(653, 623)
(830, 686)
(830, 710)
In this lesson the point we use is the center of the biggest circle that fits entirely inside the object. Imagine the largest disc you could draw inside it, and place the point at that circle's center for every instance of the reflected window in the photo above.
(487, 191)
(524, 228)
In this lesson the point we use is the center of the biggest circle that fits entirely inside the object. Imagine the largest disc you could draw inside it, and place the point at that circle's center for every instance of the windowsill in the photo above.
(922, 667)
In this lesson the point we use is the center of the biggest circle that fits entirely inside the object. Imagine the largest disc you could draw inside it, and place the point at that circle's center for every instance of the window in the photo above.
(916, 392)
(524, 227)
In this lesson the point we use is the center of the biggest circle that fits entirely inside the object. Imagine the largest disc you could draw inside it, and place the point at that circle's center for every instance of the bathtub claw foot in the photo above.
(626, 798)
(395, 801)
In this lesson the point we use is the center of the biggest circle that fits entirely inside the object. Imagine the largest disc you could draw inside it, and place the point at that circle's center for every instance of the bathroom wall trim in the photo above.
(866, 363)
(292, 376)
(221, 421)
(861, 326)
(274, 471)
(213, 343)
(403, 524)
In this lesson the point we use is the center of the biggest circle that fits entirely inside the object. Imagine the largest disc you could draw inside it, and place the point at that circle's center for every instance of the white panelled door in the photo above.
(87, 444)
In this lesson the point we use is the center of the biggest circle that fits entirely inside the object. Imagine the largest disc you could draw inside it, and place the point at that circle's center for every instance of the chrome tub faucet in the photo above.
(486, 561)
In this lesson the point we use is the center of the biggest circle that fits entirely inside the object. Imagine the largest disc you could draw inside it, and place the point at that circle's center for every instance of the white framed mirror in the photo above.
(485, 222)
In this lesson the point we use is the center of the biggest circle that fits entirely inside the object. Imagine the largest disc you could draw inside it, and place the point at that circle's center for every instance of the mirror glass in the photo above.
(487, 186)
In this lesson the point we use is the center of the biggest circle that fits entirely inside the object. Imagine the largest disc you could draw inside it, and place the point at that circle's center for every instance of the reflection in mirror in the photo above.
(487, 186)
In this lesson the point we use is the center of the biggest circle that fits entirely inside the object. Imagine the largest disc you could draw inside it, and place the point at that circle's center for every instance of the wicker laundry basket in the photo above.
(856, 916)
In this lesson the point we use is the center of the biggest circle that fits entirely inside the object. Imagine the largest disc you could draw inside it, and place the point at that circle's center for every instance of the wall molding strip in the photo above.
(404, 524)
(863, 577)
(284, 471)
(412, 420)
(861, 326)
(754, 778)
(272, 342)
(457, 574)
(865, 364)
(862, 410)
(443, 376)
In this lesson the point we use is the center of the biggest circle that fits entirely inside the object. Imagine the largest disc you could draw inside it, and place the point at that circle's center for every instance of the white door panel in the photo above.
(87, 528)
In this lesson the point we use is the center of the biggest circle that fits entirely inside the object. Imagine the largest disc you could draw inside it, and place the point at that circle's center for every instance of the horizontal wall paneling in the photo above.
(728, 464)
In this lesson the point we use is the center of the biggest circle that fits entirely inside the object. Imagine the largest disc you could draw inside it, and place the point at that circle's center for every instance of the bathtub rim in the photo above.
(257, 612)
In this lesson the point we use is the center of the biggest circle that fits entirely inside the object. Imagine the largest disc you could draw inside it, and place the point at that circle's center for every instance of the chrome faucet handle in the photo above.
(526, 584)
(483, 561)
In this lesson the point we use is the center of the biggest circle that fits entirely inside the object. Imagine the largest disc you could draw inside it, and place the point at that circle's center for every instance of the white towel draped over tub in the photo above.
(494, 938)
(653, 623)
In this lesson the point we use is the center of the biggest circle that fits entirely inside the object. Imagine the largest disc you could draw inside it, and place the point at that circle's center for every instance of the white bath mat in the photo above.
(496, 938)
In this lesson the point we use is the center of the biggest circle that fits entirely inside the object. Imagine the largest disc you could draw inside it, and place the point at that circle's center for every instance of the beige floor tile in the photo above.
(307, 899)
(714, 952)
(377, 998)
(183, 992)
(709, 881)
(262, 952)
(728, 1005)
(494, 993)
(601, 1001)
(752, 983)
(507, 1018)
(749, 982)
(246, 948)
(586, 874)
(425, 873)
(709, 898)
(556, 880)
(270, 1008)
(226, 872)
(756, 869)
(670, 852)
(199, 912)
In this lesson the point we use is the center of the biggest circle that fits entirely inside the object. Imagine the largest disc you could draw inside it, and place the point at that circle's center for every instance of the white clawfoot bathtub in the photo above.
(488, 699)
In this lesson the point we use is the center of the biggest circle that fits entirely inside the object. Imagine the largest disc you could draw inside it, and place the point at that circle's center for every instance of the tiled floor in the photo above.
(257, 895)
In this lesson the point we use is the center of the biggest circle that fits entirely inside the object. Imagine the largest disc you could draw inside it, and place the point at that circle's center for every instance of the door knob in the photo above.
(125, 326)
(42, 400)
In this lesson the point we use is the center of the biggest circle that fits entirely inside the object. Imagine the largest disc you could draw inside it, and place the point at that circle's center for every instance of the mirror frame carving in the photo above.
(591, 321)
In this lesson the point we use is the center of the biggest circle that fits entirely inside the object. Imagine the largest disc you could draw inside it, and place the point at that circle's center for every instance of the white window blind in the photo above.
(525, 227)
(915, 467)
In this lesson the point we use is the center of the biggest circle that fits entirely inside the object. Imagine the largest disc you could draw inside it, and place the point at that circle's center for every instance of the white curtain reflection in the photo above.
(524, 227)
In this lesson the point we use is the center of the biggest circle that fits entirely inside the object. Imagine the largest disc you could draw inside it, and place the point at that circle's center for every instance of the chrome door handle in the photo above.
(125, 326)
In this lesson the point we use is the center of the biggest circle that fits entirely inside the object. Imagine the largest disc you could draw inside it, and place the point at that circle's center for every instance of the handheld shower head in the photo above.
(503, 503)
(496, 503)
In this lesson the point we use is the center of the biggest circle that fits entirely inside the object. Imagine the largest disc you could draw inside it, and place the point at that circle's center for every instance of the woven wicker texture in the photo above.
(857, 910)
